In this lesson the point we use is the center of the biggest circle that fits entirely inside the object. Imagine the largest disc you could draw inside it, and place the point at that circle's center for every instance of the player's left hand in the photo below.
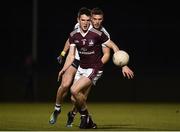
(127, 72)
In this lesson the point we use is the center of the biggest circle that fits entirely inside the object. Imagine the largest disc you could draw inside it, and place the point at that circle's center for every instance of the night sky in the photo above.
(147, 30)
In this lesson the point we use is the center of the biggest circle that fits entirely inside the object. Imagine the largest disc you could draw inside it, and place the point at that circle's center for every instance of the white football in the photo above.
(120, 58)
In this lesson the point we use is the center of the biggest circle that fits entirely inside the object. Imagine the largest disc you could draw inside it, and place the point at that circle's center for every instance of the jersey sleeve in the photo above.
(103, 45)
(71, 39)
(105, 32)
(72, 36)
(104, 38)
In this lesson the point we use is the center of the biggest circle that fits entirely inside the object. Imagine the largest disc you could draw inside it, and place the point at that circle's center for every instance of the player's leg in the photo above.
(66, 82)
(71, 114)
(78, 91)
(82, 86)
(90, 124)
(93, 75)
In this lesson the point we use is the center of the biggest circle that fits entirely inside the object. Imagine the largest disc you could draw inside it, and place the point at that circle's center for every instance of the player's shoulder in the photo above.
(105, 31)
(96, 31)
(74, 32)
(100, 32)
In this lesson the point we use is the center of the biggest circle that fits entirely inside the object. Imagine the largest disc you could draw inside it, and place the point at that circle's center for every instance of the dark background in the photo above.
(147, 30)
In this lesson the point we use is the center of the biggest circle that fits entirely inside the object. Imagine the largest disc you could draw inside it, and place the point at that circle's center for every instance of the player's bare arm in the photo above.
(106, 55)
(126, 71)
(112, 46)
(66, 46)
(69, 60)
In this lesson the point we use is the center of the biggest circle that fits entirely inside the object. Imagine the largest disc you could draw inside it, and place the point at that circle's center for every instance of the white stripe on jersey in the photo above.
(72, 45)
(105, 32)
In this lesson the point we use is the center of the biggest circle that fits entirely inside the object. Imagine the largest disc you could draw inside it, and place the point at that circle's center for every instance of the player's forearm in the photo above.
(113, 46)
(66, 48)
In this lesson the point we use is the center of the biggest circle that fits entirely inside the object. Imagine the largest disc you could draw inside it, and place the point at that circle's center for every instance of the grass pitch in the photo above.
(108, 116)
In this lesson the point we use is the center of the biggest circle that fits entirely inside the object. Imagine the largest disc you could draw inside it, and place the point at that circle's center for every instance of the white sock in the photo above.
(57, 107)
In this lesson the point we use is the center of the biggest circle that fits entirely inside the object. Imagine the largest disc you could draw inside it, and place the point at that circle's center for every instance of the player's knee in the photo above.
(74, 92)
(65, 85)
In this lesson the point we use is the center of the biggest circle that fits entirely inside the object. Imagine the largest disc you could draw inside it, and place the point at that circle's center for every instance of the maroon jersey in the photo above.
(89, 46)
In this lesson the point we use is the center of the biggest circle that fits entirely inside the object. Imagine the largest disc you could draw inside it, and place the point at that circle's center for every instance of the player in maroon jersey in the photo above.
(67, 79)
(88, 42)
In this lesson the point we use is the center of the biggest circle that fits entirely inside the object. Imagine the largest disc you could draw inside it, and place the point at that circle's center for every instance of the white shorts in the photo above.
(92, 74)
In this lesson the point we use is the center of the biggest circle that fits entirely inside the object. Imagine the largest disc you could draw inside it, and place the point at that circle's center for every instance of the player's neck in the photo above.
(83, 32)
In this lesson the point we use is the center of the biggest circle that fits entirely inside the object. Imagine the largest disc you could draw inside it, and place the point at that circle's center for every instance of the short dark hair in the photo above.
(84, 11)
(97, 11)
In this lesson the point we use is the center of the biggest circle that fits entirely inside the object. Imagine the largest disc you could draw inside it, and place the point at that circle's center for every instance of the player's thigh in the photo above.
(81, 85)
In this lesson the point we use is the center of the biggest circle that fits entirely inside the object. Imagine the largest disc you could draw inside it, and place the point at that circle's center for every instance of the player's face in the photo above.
(84, 22)
(96, 21)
